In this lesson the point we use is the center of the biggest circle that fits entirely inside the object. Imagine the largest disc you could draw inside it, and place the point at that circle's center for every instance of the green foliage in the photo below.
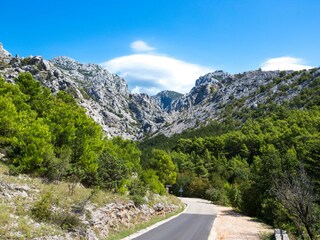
(137, 192)
(51, 136)
(125, 150)
(216, 195)
(151, 180)
(198, 187)
(112, 172)
(68, 221)
(164, 167)
(42, 211)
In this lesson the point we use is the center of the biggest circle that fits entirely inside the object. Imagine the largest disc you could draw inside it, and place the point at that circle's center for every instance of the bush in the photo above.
(138, 200)
(217, 196)
(70, 221)
(137, 192)
(13, 170)
(151, 180)
(41, 210)
(234, 195)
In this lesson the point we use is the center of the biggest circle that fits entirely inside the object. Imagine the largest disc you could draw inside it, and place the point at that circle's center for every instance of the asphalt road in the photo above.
(194, 224)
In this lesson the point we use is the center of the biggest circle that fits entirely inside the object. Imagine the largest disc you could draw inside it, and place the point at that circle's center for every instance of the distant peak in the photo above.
(164, 98)
(169, 92)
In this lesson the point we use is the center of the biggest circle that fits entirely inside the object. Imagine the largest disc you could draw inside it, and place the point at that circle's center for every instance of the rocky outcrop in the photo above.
(115, 216)
(4, 54)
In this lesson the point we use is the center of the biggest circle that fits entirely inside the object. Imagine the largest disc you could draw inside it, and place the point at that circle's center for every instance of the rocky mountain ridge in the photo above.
(107, 99)
(104, 95)
(218, 92)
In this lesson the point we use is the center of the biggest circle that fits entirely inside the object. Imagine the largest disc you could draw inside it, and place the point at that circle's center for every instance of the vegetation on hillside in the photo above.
(50, 136)
(264, 161)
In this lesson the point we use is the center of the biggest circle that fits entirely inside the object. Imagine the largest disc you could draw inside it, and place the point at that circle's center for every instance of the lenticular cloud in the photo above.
(152, 72)
(284, 63)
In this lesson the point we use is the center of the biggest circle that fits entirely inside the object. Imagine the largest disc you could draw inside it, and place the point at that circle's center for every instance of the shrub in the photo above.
(217, 196)
(41, 209)
(137, 191)
(70, 221)
(138, 200)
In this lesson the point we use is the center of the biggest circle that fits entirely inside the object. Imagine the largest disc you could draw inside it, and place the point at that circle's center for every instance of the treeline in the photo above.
(50, 136)
(268, 168)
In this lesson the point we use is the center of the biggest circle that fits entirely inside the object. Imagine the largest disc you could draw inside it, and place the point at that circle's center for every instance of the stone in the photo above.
(90, 235)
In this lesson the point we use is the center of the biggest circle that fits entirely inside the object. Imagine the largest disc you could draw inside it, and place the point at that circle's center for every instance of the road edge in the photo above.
(213, 234)
(143, 231)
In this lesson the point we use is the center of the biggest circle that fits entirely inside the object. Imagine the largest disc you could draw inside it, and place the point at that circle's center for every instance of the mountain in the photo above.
(106, 97)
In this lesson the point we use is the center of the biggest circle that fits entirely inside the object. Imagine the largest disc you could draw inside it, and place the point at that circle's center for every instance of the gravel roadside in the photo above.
(230, 225)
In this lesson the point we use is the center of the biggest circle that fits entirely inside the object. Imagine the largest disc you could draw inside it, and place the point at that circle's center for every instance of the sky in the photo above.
(166, 44)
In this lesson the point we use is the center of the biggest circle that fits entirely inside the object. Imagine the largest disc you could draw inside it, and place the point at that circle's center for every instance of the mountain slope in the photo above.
(219, 93)
(106, 97)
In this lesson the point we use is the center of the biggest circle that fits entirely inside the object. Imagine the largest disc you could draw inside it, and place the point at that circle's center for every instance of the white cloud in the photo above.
(141, 46)
(284, 63)
(151, 73)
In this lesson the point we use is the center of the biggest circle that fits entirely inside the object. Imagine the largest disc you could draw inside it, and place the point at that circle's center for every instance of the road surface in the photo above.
(193, 224)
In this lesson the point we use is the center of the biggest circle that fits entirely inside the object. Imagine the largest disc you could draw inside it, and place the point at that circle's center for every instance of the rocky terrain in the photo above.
(106, 97)
(32, 209)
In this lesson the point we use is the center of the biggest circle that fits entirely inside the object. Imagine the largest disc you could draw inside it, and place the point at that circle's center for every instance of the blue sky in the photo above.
(166, 44)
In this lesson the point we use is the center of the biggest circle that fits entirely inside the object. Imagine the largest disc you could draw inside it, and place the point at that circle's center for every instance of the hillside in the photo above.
(33, 209)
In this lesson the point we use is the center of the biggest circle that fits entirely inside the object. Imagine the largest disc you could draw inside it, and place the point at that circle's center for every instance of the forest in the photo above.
(265, 162)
